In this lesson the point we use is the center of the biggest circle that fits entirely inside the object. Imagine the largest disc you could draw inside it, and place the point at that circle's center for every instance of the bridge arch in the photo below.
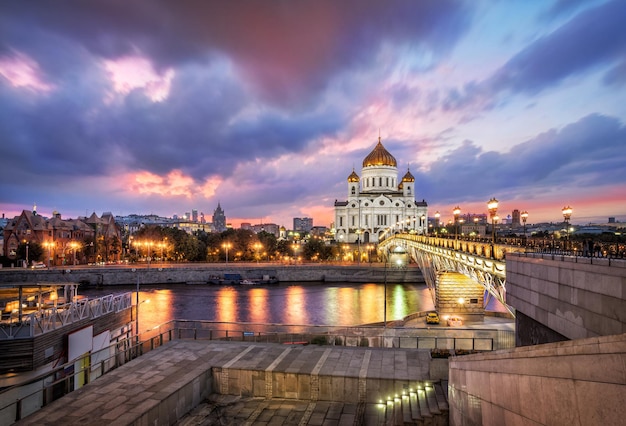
(483, 262)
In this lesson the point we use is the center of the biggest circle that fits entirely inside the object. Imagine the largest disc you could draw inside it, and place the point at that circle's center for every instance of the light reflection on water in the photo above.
(298, 304)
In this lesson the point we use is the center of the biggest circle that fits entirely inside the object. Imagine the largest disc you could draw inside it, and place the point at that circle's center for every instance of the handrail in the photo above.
(49, 319)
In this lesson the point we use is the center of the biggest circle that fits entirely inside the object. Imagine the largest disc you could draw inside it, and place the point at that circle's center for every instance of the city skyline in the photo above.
(162, 108)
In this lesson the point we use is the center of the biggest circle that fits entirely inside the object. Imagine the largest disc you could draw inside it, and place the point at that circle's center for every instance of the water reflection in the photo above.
(298, 304)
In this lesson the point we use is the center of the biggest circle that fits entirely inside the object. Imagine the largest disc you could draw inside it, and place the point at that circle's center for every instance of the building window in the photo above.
(353, 190)
(340, 221)
(387, 181)
(380, 181)
(353, 220)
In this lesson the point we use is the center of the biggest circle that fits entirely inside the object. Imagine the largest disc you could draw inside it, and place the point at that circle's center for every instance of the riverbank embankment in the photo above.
(202, 273)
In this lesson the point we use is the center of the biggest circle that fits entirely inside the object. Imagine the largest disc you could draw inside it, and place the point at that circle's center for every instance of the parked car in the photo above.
(432, 318)
(38, 265)
(455, 322)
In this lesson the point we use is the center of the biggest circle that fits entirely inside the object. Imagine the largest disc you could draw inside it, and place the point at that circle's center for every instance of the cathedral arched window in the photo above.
(353, 190)
(408, 189)
(387, 181)
(380, 181)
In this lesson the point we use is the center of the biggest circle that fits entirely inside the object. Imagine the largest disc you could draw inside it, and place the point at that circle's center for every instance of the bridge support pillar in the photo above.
(459, 295)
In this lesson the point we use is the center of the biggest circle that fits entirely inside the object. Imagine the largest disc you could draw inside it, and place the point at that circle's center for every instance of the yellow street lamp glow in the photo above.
(456, 211)
(567, 212)
(524, 215)
(492, 204)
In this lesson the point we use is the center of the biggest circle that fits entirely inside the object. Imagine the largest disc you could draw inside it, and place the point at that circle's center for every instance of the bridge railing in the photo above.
(485, 247)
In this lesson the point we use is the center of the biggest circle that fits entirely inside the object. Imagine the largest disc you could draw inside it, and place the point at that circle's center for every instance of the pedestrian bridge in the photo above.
(482, 261)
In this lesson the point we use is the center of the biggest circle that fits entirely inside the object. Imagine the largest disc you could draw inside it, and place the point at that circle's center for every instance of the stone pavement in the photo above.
(327, 384)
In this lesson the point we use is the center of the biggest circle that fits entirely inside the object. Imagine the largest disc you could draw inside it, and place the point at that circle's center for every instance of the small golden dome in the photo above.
(353, 177)
(380, 157)
(408, 177)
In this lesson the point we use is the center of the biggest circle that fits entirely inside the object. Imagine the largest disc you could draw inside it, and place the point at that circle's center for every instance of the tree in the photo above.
(35, 251)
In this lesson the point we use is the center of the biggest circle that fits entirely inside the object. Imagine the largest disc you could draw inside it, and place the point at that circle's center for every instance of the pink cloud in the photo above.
(22, 71)
(132, 73)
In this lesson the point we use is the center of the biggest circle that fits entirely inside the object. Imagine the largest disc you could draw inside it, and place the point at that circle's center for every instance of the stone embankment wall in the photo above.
(580, 382)
(202, 273)
(571, 296)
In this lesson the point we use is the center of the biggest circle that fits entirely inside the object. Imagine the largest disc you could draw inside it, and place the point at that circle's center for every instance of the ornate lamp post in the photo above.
(437, 216)
(492, 205)
(423, 224)
(567, 215)
(456, 212)
(524, 216)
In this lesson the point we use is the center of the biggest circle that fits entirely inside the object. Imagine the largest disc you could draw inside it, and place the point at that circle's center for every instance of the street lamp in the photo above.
(456, 212)
(567, 214)
(358, 244)
(257, 248)
(74, 245)
(48, 245)
(437, 216)
(226, 247)
(423, 223)
(524, 216)
(492, 205)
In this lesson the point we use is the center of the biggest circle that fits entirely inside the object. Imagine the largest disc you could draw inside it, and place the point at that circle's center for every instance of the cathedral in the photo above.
(377, 203)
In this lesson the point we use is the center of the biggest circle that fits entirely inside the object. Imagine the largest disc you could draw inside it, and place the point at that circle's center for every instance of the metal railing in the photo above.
(19, 401)
(48, 319)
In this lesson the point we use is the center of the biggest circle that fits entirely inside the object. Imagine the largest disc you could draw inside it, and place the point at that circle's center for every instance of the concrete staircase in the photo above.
(425, 404)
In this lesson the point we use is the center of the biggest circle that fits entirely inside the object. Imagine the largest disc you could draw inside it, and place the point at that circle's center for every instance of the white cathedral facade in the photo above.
(378, 203)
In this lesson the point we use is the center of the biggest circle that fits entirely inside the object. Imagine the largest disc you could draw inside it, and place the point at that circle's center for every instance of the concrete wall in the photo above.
(576, 297)
(580, 382)
(200, 273)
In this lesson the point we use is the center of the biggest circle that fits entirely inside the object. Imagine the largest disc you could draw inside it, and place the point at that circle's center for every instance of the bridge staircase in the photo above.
(458, 294)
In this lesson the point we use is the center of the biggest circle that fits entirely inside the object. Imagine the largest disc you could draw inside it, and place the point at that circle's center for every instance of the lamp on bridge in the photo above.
(492, 205)
(437, 216)
(524, 216)
(456, 212)
(567, 215)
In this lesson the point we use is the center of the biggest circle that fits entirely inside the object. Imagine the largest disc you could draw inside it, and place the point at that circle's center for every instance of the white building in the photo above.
(378, 202)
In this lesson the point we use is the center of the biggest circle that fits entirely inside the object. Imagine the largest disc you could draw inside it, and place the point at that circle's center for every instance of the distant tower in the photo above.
(219, 219)
(194, 215)
(516, 218)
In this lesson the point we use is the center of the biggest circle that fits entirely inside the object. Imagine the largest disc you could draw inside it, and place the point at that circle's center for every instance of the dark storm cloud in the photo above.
(592, 39)
(583, 154)
(289, 49)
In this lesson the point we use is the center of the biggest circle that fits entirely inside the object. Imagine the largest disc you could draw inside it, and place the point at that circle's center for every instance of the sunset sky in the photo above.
(266, 106)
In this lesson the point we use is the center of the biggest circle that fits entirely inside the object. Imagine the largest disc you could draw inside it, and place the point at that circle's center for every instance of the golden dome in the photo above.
(408, 177)
(353, 177)
(379, 157)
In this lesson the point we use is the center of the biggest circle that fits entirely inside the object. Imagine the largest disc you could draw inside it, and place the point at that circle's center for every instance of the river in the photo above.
(337, 304)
